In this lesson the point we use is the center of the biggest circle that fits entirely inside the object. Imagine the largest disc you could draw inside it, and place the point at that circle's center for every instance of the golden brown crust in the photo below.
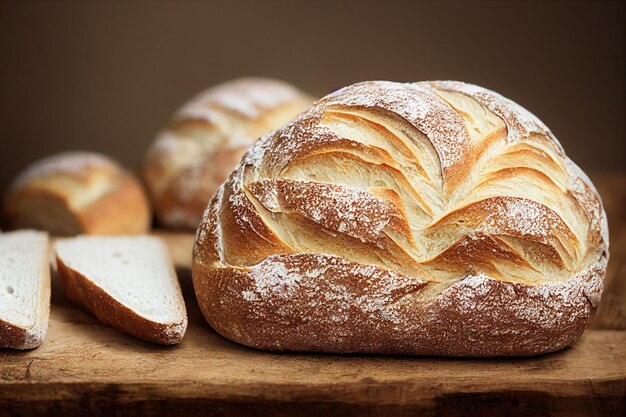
(206, 139)
(318, 241)
(346, 307)
(122, 211)
(178, 205)
(85, 293)
(78, 193)
(13, 337)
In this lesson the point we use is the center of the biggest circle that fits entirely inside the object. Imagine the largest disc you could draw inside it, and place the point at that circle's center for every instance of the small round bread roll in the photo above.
(206, 139)
(432, 218)
(78, 193)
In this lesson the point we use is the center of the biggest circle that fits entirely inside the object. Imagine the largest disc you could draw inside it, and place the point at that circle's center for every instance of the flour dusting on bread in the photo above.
(341, 232)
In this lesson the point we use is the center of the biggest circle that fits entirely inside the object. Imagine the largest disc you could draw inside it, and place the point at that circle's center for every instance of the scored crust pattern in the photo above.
(424, 218)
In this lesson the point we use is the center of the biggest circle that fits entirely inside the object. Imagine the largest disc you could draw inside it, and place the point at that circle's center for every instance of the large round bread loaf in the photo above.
(434, 218)
(206, 139)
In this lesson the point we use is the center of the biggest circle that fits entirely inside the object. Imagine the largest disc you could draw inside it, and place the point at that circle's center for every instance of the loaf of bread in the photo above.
(24, 289)
(431, 218)
(78, 193)
(127, 282)
(206, 139)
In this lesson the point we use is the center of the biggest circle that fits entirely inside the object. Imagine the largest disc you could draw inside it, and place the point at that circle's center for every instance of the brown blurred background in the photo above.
(106, 75)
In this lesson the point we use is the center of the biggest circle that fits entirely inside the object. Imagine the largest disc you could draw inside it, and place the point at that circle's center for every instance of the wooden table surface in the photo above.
(86, 368)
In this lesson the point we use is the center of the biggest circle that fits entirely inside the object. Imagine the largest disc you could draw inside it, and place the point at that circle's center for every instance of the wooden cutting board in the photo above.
(86, 368)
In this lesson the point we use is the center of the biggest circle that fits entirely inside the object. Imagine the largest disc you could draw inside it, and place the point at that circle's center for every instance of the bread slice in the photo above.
(24, 289)
(127, 282)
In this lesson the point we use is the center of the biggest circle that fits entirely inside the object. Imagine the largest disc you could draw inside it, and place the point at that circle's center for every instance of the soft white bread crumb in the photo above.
(24, 289)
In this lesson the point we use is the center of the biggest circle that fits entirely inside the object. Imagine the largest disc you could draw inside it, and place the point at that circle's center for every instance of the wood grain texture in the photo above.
(612, 310)
(84, 368)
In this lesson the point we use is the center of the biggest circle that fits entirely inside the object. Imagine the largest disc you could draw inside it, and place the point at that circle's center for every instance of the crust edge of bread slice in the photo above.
(91, 297)
(23, 338)
(13, 336)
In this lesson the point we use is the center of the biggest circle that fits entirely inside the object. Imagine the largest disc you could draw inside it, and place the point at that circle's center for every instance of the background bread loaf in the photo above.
(77, 192)
(426, 218)
(205, 140)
